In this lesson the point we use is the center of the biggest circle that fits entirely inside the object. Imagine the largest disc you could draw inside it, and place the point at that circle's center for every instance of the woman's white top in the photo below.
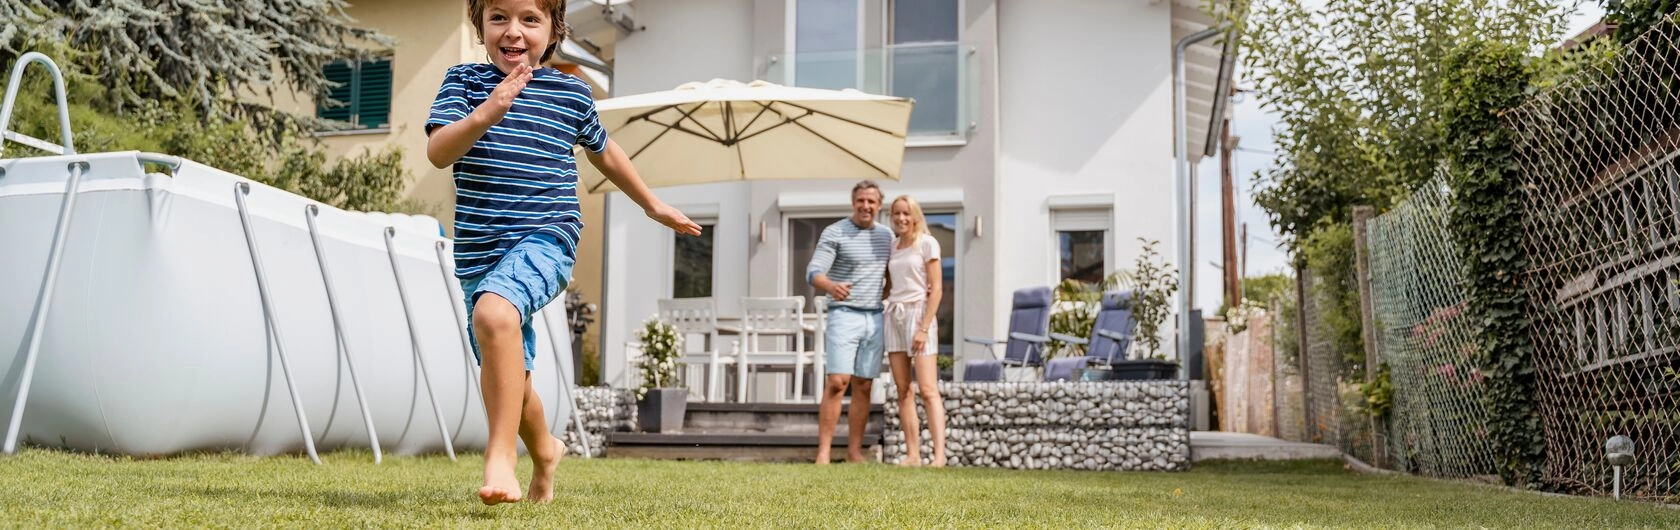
(908, 269)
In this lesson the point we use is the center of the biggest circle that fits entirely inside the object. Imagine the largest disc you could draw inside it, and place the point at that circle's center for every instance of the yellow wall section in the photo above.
(433, 35)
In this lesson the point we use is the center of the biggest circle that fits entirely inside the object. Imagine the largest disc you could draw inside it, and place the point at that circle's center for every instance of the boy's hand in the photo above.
(673, 219)
(501, 99)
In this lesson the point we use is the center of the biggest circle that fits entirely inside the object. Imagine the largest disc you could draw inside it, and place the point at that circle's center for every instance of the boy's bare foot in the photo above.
(823, 457)
(542, 470)
(500, 485)
(938, 461)
(854, 458)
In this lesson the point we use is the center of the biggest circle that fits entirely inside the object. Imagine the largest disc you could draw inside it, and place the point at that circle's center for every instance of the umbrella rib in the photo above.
(677, 125)
(690, 117)
(844, 119)
(808, 112)
(785, 120)
(761, 109)
(729, 131)
(645, 115)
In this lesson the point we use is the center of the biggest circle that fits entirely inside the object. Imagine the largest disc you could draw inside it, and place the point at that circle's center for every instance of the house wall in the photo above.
(1084, 121)
(684, 41)
(1055, 124)
(431, 35)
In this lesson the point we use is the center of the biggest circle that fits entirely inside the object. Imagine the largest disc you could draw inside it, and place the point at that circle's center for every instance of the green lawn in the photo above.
(47, 489)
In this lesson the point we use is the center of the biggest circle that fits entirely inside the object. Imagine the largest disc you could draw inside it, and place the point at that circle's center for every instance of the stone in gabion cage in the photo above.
(1062, 425)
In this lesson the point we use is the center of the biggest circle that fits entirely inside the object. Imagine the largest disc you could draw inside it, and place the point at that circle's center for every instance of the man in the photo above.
(850, 264)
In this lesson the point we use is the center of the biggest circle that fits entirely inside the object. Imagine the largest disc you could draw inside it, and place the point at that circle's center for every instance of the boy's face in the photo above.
(516, 32)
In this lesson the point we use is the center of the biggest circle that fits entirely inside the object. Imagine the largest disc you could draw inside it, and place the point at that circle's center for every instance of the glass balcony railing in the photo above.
(943, 78)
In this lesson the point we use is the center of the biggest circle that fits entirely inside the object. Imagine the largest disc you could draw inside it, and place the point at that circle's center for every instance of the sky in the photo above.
(1253, 126)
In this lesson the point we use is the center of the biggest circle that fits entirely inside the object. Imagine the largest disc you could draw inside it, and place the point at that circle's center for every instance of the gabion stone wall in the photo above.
(604, 410)
(1129, 426)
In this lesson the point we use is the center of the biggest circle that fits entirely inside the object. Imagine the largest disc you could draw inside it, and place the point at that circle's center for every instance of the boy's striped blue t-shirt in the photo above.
(520, 178)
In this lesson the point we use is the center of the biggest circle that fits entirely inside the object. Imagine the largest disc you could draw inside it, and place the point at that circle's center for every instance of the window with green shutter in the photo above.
(363, 95)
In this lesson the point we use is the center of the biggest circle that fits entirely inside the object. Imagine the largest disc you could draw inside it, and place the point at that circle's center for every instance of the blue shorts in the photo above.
(854, 342)
(530, 275)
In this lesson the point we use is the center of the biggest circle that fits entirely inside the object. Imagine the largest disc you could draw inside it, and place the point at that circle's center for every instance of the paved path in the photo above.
(1205, 445)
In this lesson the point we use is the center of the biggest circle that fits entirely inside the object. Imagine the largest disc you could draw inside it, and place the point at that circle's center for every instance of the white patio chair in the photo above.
(698, 317)
(779, 319)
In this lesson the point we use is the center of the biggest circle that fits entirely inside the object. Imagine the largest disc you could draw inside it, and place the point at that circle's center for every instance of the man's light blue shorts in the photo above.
(531, 274)
(854, 342)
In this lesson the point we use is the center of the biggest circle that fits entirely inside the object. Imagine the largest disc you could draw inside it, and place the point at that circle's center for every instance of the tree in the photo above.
(168, 76)
(203, 51)
(1355, 86)
(1633, 17)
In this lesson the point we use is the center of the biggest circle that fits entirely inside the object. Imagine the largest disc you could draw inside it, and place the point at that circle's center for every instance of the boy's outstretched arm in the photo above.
(617, 167)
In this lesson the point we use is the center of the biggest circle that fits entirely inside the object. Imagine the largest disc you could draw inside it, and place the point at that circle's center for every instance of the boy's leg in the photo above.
(545, 449)
(496, 325)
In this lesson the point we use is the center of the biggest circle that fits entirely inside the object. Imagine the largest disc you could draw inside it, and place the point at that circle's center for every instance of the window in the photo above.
(1081, 237)
(692, 264)
(943, 226)
(925, 60)
(826, 43)
(363, 93)
(1081, 255)
(802, 237)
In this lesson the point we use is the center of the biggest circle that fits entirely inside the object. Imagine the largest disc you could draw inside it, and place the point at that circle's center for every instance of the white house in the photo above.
(1042, 141)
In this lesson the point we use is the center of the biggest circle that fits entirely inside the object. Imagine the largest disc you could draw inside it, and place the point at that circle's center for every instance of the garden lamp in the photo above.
(1619, 452)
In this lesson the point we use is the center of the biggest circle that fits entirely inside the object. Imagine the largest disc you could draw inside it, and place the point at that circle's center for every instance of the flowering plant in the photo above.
(661, 345)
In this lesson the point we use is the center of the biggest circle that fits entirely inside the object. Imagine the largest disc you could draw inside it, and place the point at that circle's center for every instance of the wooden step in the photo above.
(734, 446)
(785, 418)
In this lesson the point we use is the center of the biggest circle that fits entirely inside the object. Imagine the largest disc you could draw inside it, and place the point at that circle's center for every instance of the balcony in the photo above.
(942, 77)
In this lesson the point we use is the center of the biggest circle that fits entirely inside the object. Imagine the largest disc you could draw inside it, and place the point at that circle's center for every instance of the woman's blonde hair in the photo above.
(919, 221)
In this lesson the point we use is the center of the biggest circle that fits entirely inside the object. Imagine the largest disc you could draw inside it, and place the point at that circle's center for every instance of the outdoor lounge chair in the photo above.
(1111, 333)
(1029, 329)
(1065, 369)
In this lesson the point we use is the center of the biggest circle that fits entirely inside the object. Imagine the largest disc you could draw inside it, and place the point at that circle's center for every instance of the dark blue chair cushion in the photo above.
(1115, 316)
(983, 371)
(1065, 368)
(1030, 314)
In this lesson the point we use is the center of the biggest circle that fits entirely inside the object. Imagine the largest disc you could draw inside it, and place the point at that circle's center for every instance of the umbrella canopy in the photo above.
(724, 130)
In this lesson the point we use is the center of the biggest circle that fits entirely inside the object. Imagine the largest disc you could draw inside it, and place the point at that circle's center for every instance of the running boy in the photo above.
(509, 127)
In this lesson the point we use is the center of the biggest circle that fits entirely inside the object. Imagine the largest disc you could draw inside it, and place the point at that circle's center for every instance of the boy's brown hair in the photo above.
(556, 10)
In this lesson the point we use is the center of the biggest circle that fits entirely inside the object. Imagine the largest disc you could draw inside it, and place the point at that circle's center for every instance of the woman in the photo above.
(913, 292)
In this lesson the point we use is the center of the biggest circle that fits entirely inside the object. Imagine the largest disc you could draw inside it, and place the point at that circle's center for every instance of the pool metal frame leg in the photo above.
(270, 318)
(414, 337)
(449, 287)
(61, 231)
(566, 384)
(309, 214)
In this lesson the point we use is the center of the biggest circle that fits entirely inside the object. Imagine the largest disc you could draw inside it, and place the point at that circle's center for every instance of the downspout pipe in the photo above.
(1181, 148)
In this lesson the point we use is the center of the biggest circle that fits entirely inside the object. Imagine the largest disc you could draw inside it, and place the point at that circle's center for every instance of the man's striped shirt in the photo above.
(520, 178)
(848, 253)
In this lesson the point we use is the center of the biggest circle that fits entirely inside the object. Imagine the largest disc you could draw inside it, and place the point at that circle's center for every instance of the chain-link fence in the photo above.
(1287, 390)
(1437, 418)
(1600, 158)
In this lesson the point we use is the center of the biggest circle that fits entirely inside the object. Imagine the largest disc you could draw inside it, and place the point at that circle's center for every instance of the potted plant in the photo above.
(660, 405)
(1153, 284)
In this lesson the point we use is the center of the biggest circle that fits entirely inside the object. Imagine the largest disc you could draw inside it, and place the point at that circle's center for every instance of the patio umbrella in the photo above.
(723, 130)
